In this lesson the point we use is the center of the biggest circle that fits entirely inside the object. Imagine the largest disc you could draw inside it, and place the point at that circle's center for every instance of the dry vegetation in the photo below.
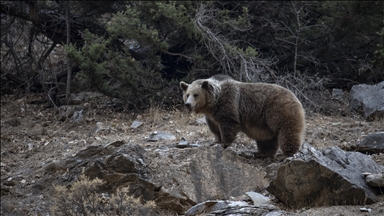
(83, 199)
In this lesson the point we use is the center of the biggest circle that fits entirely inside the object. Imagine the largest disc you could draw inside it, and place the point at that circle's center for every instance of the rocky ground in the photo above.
(33, 137)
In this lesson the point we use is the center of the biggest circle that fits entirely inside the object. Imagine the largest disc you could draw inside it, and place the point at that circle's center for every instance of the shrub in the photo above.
(83, 198)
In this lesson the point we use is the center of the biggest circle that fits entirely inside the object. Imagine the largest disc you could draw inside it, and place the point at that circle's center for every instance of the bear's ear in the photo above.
(207, 86)
(184, 86)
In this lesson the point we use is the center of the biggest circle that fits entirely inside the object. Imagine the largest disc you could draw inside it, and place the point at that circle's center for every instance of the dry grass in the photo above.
(83, 199)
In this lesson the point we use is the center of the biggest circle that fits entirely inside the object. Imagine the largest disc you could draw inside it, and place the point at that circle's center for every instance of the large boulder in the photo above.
(118, 166)
(122, 165)
(368, 99)
(203, 173)
(174, 178)
(372, 143)
(331, 176)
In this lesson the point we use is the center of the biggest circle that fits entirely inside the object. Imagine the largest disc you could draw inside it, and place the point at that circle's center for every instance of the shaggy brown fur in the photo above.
(267, 113)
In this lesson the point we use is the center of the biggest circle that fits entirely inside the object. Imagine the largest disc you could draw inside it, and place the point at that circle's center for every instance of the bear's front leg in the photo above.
(229, 126)
(214, 128)
(228, 134)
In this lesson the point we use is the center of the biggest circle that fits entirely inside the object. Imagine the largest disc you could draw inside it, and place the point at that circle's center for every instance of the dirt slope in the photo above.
(32, 137)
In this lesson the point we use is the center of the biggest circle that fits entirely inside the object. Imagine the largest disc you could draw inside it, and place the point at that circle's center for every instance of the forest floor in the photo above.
(32, 136)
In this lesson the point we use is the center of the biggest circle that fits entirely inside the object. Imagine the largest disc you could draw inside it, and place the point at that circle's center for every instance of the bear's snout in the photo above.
(188, 105)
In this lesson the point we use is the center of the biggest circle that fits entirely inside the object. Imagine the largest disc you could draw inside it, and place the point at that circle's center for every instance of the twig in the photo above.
(178, 54)
(50, 98)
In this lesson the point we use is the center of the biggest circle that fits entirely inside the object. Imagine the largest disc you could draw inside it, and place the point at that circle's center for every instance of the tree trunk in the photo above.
(69, 69)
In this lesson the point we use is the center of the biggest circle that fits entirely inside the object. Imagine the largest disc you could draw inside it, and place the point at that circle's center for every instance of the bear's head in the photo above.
(198, 96)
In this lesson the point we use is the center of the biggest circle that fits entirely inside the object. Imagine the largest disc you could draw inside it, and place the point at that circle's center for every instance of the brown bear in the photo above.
(268, 113)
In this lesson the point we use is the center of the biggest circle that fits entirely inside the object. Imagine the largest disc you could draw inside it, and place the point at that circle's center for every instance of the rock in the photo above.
(54, 167)
(9, 182)
(194, 145)
(375, 180)
(335, 123)
(337, 94)
(135, 124)
(247, 210)
(68, 112)
(331, 176)
(30, 146)
(198, 174)
(118, 167)
(122, 166)
(157, 136)
(372, 143)
(207, 207)
(368, 99)
(201, 121)
(258, 199)
(77, 116)
(183, 143)
(116, 143)
(226, 207)
(100, 126)
(279, 213)
(365, 209)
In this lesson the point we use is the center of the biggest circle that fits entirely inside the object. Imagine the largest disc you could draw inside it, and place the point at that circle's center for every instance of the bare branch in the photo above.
(232, 60)
(178, 54)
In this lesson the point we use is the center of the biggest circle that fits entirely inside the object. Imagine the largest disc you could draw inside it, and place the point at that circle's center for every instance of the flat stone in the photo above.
(100, 126)
(258, 199)
(158, 136)
(135, 124)
(207, 206)
(227, 207)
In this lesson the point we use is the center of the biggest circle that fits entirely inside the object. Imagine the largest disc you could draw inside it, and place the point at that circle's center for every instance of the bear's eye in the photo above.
(187, 95)
(195, 95)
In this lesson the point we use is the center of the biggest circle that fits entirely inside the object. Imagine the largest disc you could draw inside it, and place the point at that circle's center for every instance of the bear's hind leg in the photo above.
(267, 148)
(290, 142)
